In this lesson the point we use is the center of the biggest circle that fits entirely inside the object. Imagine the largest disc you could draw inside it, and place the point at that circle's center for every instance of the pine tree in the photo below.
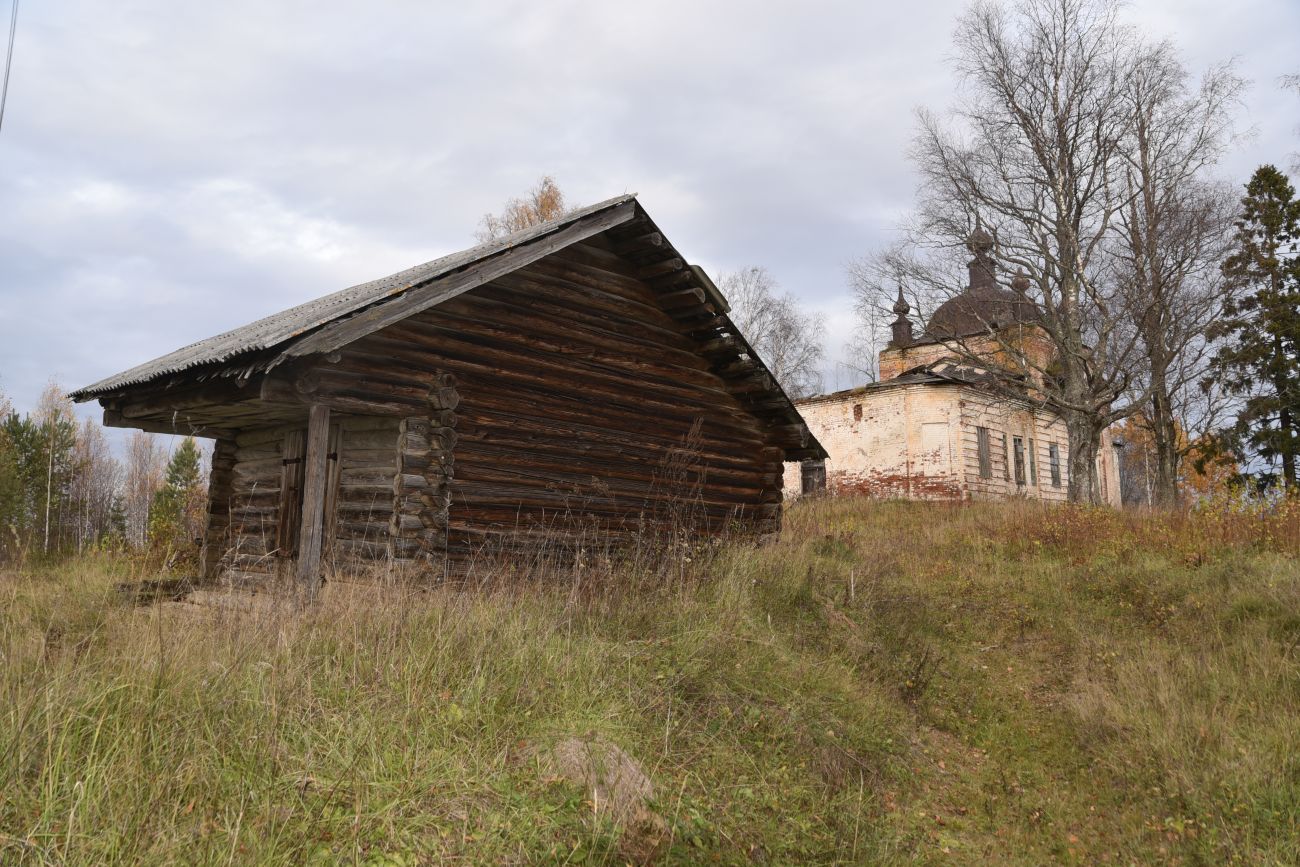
(1260, 356)
(169, 521)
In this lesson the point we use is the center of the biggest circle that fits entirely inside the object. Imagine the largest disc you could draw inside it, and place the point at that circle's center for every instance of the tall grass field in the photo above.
(887, 683)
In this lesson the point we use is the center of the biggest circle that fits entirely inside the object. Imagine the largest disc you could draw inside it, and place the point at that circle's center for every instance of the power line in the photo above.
(9, 59)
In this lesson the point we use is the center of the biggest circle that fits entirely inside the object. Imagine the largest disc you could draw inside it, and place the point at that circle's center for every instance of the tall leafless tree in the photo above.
(872, 303)
(57, 427)
(787, 337)
(1292, 82)
(146, 462)
(1171, 238)
(1037, 150)
(94, 484)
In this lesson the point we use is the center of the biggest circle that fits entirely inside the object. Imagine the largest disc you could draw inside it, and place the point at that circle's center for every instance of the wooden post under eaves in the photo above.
(315, 472)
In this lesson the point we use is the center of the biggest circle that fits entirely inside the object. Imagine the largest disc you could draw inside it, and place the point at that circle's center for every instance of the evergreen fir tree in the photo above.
(115, 533)
(168, 524)
(11, 491)
(1260, 356)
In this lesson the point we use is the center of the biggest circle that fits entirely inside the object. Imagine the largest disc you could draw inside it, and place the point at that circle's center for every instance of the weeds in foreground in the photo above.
(890, 682)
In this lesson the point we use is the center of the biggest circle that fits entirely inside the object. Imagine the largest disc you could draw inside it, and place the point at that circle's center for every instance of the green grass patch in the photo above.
(887, 683)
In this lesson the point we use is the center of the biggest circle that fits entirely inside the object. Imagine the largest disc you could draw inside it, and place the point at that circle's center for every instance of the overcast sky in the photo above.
(171, 170)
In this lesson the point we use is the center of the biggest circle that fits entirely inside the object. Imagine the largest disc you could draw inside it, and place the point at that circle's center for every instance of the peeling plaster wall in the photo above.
(921, 442)
(888, 442)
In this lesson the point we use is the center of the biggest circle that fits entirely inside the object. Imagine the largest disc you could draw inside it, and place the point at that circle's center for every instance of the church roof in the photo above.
(942, 372)
(978, 310)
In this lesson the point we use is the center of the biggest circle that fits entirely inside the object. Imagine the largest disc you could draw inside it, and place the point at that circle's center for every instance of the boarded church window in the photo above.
(985, 456)
(1033, 465)
(1006, 459)
(1018, 445)
(1054, 463)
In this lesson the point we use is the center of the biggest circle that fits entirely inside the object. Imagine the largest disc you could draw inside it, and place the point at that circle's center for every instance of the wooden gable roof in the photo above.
(185, 391)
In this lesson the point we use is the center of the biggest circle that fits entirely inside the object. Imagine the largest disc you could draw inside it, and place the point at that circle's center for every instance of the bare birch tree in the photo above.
(56, 428)
(786, 337)
(146, 463)
(872, 305)
(94, 484)
(1292, 82)
(1171, 237)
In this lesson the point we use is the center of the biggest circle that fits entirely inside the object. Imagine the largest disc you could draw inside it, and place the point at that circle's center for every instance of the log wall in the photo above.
(385, 495)
(581, 409)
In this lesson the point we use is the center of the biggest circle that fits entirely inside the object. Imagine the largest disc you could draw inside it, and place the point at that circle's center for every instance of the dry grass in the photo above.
(891, 682)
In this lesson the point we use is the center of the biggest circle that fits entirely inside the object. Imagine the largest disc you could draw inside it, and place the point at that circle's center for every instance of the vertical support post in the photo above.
(315, 473)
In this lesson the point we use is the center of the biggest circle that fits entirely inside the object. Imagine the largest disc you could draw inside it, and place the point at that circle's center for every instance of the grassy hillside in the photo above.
(888, 683)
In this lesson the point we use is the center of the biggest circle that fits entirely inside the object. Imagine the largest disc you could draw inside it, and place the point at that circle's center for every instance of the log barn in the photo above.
(574, 380)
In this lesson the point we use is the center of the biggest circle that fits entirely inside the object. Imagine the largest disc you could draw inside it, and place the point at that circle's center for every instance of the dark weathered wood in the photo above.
(595, 392)
(661, 268)
(417, 299)
(359, 397)
(315, 476)
(291, 494)
(182, 425)
(334, 471)
(179, 393)
(217, 532)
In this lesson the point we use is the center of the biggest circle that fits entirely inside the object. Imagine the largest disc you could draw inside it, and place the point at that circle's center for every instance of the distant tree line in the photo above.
(62, 491)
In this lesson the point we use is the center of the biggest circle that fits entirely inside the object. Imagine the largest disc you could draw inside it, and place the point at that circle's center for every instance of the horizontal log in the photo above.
(532, 501)
(355, 492)
(499, 435)
(689, 297)
(444, 398)
(629, 243)
(181, 393)
(369, 459)
(487, 347)
(363, 527)
(548, 302)
(361, 549)
(377, 476)
(358, 399)
(377, 440)
(543, 415)
(260, 496)
(416, 461)
(411, 482)
(182, 424)
(364, 512)
(407, 522)
(526, 472)
(262, 436)
(661, 268)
